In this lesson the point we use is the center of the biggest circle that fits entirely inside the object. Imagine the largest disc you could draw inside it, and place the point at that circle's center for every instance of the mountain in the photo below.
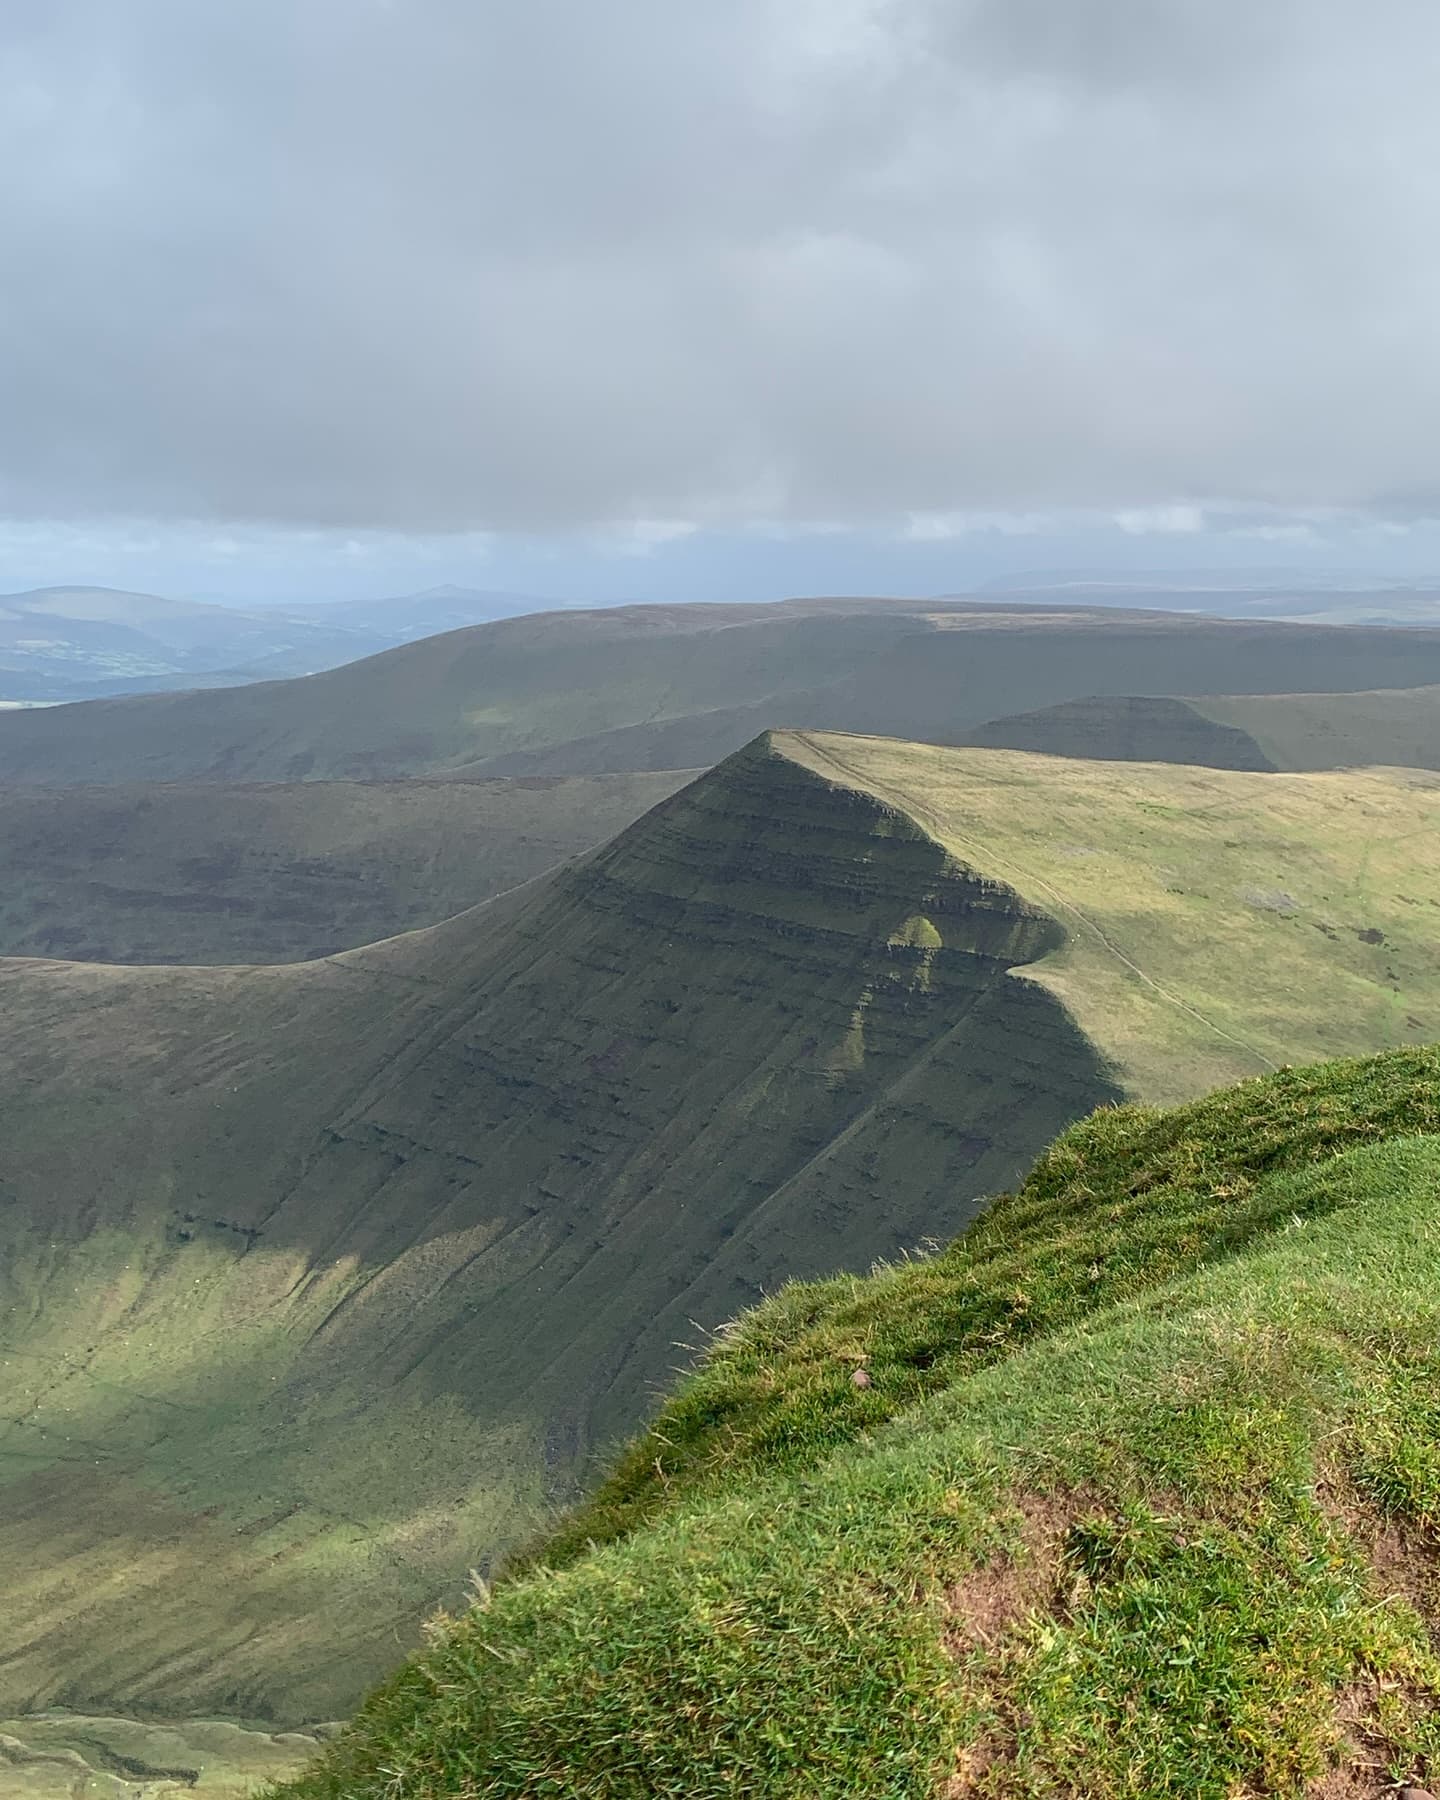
(233, 873)
(658, 687)
(1131, 1490)
(1398, 727)
(321, 1283)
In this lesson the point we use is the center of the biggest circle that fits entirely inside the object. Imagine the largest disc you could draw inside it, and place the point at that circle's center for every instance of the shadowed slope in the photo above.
(230, 873)
(323, 1280)
(1127, 728)
(1395, 727)
(677, 687)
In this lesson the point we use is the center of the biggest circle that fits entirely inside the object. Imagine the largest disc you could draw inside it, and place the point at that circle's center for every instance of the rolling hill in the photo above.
(1131, 1490)
(1391, 727)
(233, 873)
(658, 687)
(321, 1283)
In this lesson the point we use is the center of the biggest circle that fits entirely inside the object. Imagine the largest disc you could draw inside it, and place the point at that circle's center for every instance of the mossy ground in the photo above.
(1139, 1500)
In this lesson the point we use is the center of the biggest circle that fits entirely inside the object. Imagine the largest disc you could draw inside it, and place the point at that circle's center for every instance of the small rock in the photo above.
(1414, 1793)
(860, 1379)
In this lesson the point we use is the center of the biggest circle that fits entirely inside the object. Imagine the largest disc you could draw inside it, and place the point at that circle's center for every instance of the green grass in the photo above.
(1132, 1525)
(378, 1256)
(1129, 1198)
(1217, 922)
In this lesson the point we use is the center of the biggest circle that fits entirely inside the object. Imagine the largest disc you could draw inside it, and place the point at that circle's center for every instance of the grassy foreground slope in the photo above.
(658, 687)
(1398, 727)
(276, 872)
(320, 1283)
(1139, 1496)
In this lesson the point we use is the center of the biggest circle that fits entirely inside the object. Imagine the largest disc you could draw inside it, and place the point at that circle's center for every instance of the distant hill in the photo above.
(1243, 594)
(320, 1284)
(675, 687)
(79, 643)
(1391, 727)
(400, 619)
(232, 873)
(73, 642)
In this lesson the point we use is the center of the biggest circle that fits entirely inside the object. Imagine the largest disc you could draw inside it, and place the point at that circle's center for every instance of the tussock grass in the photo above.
(1157, 1410)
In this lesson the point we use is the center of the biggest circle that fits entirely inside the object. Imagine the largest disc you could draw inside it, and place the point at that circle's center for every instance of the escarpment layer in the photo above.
(318, 1284)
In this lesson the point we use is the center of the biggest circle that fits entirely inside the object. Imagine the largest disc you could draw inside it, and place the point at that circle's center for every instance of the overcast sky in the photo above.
(466, 284)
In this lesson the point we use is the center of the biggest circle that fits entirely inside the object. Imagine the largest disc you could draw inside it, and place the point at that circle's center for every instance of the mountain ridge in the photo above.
(647, 687)
(330, 1279)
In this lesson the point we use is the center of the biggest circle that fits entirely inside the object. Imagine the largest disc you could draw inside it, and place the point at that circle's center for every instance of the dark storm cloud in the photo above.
(535, 264)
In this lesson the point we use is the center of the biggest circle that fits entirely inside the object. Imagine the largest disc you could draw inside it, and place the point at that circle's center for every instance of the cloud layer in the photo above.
(536, 265)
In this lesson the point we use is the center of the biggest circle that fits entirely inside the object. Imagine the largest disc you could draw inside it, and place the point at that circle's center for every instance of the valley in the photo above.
(329, 1280)
(719, 901)
(281, 872)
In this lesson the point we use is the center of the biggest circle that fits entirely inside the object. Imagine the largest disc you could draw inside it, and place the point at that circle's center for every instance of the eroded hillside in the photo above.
(320, 1283)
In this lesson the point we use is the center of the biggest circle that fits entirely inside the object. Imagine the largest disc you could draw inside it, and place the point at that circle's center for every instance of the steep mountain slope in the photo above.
(1137, 1496)
(319, 1282)
(233, 873)
(1394, 727)
(673, 687)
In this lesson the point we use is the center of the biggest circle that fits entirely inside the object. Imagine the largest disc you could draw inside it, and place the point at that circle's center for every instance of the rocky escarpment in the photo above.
(327, 1280)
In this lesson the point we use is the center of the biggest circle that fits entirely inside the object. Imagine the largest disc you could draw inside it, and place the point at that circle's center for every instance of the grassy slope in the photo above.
(324, 1280)
(1140, 1500)
(1393, 727)
(71, 1756)
(1308, 731)
(277, 872)
(1218, 923)
(677, 687)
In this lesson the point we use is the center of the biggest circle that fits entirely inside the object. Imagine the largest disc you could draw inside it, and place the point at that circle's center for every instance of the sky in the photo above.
(313, 297)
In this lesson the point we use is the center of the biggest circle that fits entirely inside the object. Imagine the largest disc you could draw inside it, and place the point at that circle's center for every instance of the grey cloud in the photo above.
(534, 264)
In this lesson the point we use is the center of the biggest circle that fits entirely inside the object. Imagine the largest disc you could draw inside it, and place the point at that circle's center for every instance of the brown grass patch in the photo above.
(990, 1604)
(1367, 1754)
(1405, 1560)
(987, 1604)
(1405, 1565)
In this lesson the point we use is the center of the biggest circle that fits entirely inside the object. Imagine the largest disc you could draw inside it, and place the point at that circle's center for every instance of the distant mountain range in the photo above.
(81, 643)
(679, 687)
(1237, 594)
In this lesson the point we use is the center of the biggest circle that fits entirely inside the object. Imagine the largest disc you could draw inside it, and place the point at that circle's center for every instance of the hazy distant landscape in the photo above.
(82, 643)
(719, 901)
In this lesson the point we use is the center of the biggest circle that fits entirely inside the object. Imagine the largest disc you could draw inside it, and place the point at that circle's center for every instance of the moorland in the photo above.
(481, 1067)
